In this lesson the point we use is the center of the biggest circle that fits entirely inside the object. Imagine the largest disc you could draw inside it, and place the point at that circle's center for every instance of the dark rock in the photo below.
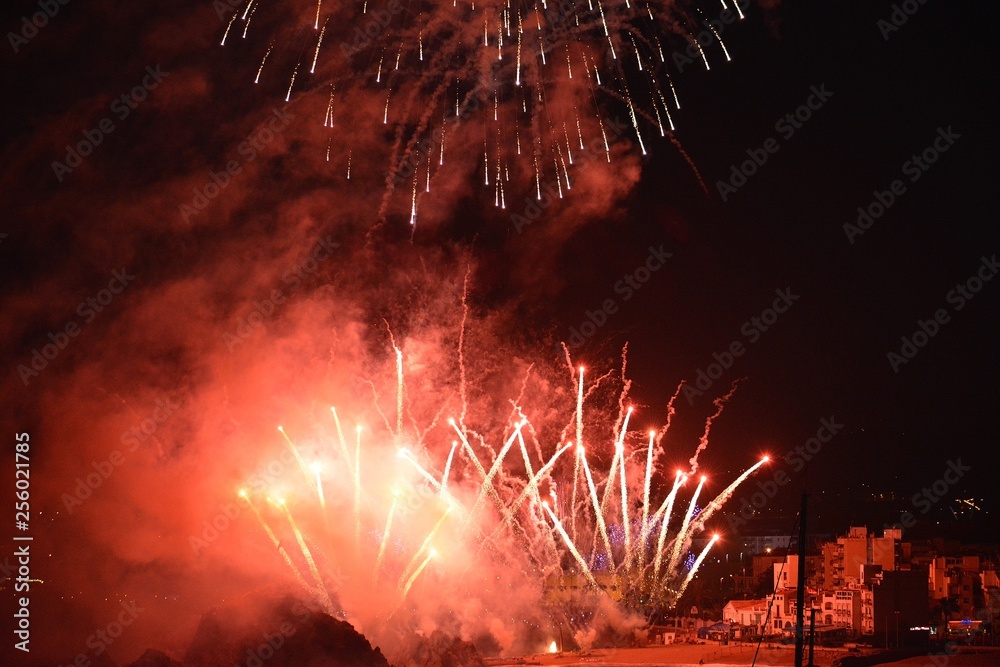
(260, 631)
(439, 650)
(152, 658)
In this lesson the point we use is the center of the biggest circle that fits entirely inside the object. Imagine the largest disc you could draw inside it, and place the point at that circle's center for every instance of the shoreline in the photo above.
(710, 655)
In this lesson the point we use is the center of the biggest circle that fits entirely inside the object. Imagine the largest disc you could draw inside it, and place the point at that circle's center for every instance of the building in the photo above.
(842, 609)
(990, 584)
(716, 633)
(955, 586)
(748, 614)
(783, 609)
(900, 602)
(867, 611)
(881, 588)
(843, 559)
(785, 573)
(764, 563)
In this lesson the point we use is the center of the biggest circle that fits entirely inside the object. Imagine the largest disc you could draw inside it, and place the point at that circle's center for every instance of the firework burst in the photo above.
(403, 532)
(533, 87)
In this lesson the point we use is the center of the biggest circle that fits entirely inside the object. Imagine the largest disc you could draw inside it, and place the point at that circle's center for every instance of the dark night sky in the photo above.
(784, 228)
(827, 356)
(824, 358)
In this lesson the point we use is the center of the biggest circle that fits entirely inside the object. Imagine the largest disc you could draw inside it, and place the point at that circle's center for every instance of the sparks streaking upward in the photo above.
(531, 83)
(413, 490)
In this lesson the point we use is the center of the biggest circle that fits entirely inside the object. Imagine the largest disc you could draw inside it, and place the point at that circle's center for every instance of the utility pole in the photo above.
(812, 635)
(800, 592)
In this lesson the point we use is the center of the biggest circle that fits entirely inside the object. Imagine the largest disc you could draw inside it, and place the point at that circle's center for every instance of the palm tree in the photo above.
(942, 613)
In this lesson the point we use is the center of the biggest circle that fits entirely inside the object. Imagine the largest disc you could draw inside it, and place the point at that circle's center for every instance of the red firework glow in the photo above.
(208, 243)
(391, 532)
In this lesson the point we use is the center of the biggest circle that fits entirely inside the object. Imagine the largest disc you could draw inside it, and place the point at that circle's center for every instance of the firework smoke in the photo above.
(262, 302)
(522, 545)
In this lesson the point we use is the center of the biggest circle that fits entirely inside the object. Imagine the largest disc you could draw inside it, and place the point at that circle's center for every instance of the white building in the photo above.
(746, 613)
(841, 608)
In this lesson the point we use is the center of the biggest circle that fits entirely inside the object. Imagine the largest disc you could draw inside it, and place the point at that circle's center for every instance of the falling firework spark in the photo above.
(719, 500)
(427, 541)
(675, 553)
(408, 456)
(530, 489)
(572, 548)
(357, 487)
(645, 487)
(307, 554)
(385, 537)
(274, 540)
(416, 573)
(598, 513)
(697, 564)
(503, 76)
(447, 467)
(319, 485)
(667, 507)
(295, 452)
(620, 453)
